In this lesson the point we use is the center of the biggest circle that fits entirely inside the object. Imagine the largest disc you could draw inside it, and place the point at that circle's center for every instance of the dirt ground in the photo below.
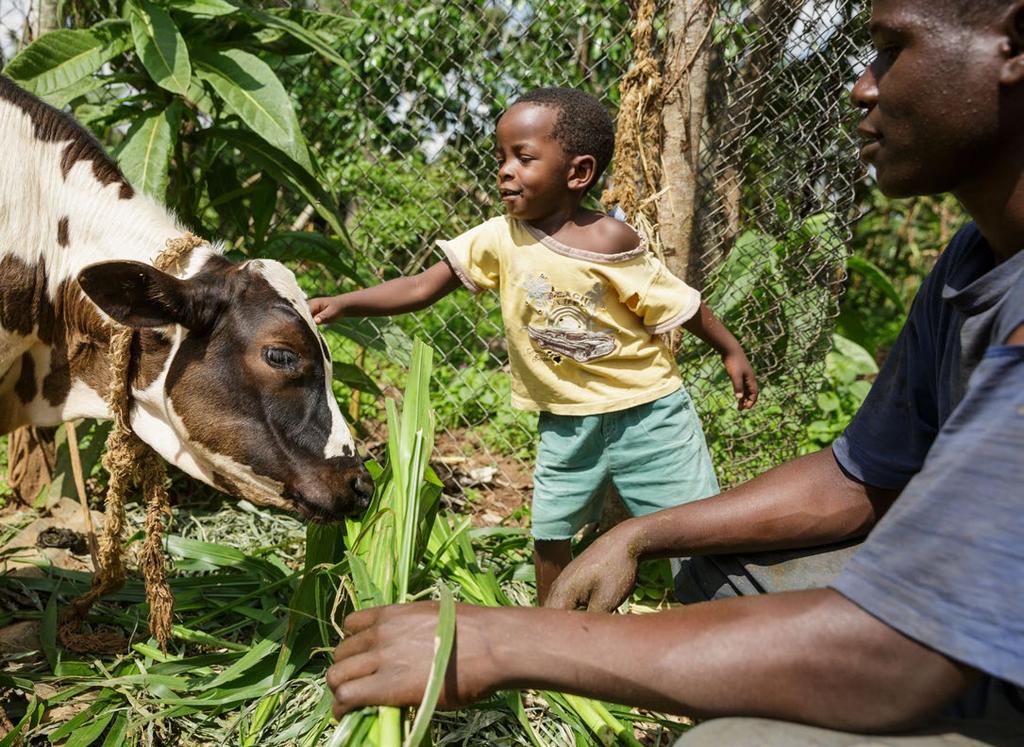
(491, 488)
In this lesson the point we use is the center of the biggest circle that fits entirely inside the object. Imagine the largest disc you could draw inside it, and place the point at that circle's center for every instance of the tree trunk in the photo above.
(46, 18)
(31, 456)
(684, 100)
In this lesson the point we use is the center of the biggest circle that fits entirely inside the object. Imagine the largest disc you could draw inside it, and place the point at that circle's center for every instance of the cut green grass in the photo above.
(260, 598)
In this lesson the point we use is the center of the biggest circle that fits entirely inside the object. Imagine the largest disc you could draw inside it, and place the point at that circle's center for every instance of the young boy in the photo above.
(584, 305)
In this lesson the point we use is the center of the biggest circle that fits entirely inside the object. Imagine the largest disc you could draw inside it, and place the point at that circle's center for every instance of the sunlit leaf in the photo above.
(160, 46)
(251, 90)
(145, 152)
(64, 57)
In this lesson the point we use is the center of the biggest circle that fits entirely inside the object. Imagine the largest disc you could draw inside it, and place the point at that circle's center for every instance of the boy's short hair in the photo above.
(583, 126)
(975, 9)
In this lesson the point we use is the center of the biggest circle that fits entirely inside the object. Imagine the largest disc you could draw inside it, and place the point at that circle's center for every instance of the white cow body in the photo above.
(207, 395)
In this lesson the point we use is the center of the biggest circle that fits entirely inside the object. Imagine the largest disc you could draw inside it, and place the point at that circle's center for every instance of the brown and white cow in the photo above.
(230, 379)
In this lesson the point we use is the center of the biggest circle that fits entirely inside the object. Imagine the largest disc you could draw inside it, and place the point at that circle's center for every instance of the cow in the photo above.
(230, 380)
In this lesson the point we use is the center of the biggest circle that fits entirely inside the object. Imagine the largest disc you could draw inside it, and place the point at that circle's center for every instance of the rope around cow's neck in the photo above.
(130, 461)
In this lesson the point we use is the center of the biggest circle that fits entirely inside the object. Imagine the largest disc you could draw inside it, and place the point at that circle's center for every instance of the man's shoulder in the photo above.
(964, 245)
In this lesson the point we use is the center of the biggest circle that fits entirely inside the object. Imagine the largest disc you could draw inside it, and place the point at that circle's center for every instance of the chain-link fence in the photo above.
(402, 132)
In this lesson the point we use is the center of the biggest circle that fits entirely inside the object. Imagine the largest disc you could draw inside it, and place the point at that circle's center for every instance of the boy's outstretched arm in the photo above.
(707, 327)
(392, 297)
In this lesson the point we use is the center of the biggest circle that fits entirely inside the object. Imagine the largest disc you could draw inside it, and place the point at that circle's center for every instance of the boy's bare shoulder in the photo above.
(611, 236)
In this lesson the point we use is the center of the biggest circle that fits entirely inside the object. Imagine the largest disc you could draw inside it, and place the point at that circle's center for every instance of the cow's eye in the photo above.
(280, 357)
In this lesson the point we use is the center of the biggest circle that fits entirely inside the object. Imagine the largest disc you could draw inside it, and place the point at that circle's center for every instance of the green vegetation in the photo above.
(345, 144)
(258, 621)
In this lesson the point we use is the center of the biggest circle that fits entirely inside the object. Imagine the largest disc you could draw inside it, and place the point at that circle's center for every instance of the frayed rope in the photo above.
(131, 463)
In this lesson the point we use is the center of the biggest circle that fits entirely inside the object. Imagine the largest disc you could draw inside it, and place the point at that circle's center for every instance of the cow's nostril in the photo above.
(362, 486)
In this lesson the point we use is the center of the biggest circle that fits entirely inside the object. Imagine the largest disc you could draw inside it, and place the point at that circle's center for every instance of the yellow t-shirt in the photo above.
(583, 328)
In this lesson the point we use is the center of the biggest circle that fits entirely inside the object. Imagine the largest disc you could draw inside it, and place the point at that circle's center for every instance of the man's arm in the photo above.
(809, 501)
(809, 656)
(396, 296)
(708, 328)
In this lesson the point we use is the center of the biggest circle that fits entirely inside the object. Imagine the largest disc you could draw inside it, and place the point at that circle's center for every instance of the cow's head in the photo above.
(232, 382)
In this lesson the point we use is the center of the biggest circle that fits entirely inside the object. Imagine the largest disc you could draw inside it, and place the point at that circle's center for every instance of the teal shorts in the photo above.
(654, 454)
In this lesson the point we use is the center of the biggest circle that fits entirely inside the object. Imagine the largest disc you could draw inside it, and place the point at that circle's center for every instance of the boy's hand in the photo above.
(325, 309)
(744, 383)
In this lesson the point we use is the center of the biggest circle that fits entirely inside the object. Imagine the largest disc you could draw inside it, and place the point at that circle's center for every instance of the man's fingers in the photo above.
(603, 601)
(354, 644)
(566, 596)
(349, 696)
(360, 620)
(351, 668)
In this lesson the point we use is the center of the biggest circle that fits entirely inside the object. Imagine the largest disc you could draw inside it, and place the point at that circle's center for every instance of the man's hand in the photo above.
(601, 578)
(325, 309)
(387, 653)
(744, 383)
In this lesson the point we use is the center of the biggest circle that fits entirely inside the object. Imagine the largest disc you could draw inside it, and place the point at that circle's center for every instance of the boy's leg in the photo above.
(659, 460)
(550, 557)
(658, 456)
(571, 468)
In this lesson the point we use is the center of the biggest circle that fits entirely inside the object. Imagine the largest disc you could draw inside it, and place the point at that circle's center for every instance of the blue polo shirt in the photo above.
(944, 422)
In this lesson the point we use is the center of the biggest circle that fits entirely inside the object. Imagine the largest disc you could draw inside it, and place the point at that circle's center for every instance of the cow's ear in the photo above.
(138, 295)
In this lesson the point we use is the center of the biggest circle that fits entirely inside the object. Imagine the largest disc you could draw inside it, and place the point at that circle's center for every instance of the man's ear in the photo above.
(1013, 67)
(582, 170)
(138, 295)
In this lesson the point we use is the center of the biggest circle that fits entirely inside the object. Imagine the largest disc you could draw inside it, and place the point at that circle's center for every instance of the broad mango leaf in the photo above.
(64, 57)
(280, 165)
(146, 150)
(209, 8)
(251, 91)
(161, 47)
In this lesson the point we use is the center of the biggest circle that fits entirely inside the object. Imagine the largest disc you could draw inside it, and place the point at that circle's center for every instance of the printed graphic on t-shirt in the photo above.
(566, 326)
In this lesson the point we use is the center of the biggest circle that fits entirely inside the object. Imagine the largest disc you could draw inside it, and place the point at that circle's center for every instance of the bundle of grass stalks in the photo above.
(257, 624)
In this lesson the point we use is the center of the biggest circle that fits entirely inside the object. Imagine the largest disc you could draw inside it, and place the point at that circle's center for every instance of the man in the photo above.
(929, 610)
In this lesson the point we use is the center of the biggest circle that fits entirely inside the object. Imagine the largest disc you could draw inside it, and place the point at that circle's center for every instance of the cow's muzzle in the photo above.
(344, 489)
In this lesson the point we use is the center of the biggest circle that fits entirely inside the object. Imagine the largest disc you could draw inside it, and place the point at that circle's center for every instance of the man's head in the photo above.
(553, 144)
(944, 96)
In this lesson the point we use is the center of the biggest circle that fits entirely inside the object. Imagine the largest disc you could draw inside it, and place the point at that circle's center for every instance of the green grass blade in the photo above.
(443, 639)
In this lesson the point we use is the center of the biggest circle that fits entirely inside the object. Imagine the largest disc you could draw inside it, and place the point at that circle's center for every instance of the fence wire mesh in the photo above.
(402, 133)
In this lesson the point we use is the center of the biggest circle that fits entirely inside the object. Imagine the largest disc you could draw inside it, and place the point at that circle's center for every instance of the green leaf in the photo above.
(251, 90)
(90, 732)
(284, 169)
(861, 358)
(214, 554)
(256, 654)
(307, 246)
(115, 737)
(443, 638)
(751, 258)
(64, 96)
(209, 8)
(876, 278)
(64, 57)
(384, 337)
(145, 152)
(161, 47)
(828, 402)
(299, 31)
(355, 378)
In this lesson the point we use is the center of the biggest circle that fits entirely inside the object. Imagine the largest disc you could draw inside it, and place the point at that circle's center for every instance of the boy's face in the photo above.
(533, 168)
(934, 119)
